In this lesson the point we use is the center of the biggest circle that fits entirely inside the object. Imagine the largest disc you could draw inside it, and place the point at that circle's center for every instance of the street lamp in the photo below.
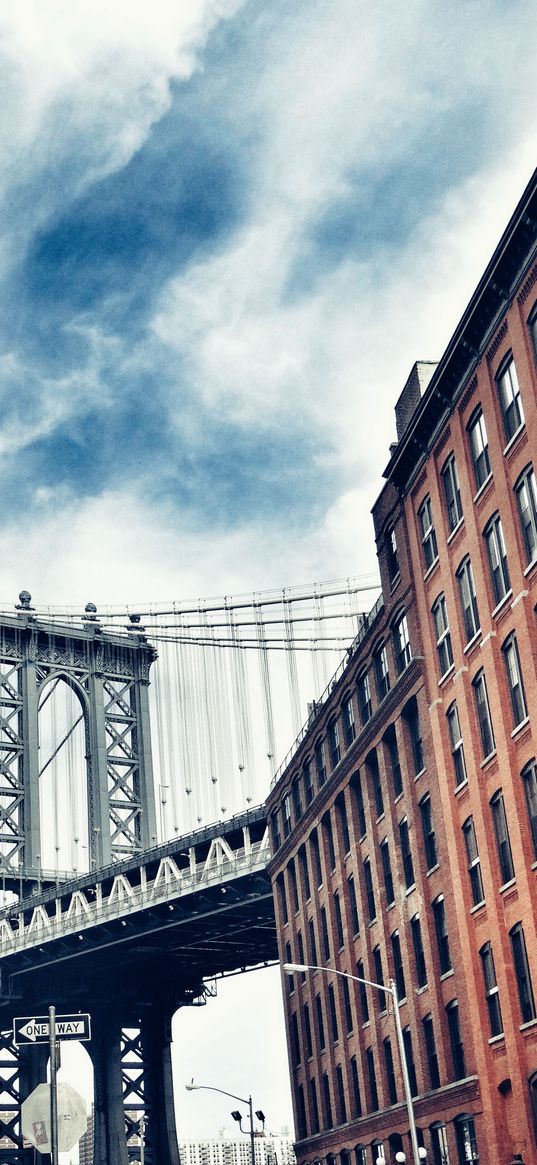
(391, 989)
(235, 1114)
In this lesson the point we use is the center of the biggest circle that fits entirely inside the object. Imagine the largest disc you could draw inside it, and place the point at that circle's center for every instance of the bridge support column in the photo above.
(110, 1144)
(161, 1137)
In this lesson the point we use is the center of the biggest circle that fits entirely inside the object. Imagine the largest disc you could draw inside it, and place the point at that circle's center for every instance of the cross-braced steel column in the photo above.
(161, 1141)
(110, 1143)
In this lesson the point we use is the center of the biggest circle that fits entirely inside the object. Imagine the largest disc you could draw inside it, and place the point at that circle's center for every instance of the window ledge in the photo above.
(502, 603)
(433, 869)
(500, 1038)
(520, 727)
(488, 759)
(524, 1027)
(473, 641)
(463, 785)
(420, 774)
(394, 582)
(513, 440)
(478, 907)
(507, 886)
(431, 569)
(409, 889)
(483, 487)
(446, 675)
(446, 975)
(530, 567)
(455, 530)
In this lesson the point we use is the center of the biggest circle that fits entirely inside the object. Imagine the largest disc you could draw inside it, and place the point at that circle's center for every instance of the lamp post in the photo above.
(236, 1115)
(391, 989)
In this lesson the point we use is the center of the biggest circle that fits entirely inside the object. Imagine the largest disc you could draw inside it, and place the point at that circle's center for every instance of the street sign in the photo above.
(35, 1118)
(28, 1029)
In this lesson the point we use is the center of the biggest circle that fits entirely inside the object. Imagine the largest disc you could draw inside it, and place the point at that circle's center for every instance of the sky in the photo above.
(228, 230)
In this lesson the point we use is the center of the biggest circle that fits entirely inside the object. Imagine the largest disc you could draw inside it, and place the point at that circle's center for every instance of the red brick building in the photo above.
(404, 829)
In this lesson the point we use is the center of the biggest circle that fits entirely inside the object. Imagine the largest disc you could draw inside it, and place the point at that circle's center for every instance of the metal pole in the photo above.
(404, 1070)
(142, 1139)
(252, 1140)
(53, 1085)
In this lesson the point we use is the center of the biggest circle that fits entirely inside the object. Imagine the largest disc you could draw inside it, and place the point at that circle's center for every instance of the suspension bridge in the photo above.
(134, 746)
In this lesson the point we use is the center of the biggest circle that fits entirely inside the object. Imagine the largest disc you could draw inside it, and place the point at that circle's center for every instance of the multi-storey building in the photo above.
(404, 828)
(268, 1150)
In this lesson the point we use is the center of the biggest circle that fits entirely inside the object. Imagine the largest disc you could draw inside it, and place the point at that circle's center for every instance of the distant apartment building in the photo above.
(269, 1150)
(404, 828)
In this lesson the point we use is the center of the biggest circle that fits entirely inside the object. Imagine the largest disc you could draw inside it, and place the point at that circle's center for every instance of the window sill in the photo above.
(446, 974)
(455, 530)
(432, 869)
(520, 727)
(488, 759)
(499, 1039)
(524, 1027)
(507, 886)
(478, 907)
(446, 675)
(502, 603)
(409, 889)
(420, 774)
(482, 487)
(473, 641)
(394, 582)
(513, 440)
(431, 569)
(530, 567)
(459, 788)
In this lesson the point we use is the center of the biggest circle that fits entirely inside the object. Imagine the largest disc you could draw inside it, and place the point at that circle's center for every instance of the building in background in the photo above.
(404, 828)
(226, 1150)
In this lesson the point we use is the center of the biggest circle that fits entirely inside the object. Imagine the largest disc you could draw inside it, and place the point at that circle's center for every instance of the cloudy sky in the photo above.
(228, 230)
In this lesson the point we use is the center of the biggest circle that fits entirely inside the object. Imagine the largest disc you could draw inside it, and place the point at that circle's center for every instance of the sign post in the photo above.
(53, 1085)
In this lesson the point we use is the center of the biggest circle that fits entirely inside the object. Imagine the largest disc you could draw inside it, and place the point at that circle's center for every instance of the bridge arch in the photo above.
(64, 776)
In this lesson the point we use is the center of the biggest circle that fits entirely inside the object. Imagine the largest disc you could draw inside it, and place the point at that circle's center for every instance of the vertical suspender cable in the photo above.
(266, 692)
(292, 673)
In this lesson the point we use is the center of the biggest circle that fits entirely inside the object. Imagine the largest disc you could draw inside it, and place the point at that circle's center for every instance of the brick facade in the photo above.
(404, 829)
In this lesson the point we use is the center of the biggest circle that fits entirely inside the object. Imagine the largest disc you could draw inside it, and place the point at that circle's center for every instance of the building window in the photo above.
(443, 637)
(301, 955)
(349, 727)
(289, 959)
(358, 800)
(339, 921)
(514, 680)
(532, 324)
(365, 706)
(419, 954)
(301, 1105)
(349, 1024)
(372, 1080)
(328, 1118)
(491, 990)
(333, 743)
(373, 772)
(286, 816)
(320, 763)
(320, 1023)
(412, 721)
(479, 446)
(509, 396)
(282, 898)
(356, 1097)
(333, 1012)
(307, 1031)
(379, 978)
(308, 783)
(497, 556)
(313, 942)
(442, 937)
(315, 849)
(304, 872)
(360, 974)
(468, 597)
(314, 1107)
(499, 820)
(430, 1048)
(526, 495)
(370, 894)
(529, 777)
(440, 1145)
(329, 839)
(390, 740)
(409, 1057)
(275, 832)
(406, 853)
(355, 920)
(522, 973)
(428, 535)
(294, 884)
(390, 1071)
(398, 969)
(429, 835)
(343, 824)
(452, 493)
(401, 639)
(455, 1040)
(295, 1042)
(457, 746)
(325, 934)
(391, 555)
(474, 864)
(483, 714)
(387, 872)
(466, 1140)
(382, 672)
(341, 1097)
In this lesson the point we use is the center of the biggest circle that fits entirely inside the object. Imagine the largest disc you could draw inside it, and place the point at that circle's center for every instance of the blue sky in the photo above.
(215, 214)
(228, 230)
